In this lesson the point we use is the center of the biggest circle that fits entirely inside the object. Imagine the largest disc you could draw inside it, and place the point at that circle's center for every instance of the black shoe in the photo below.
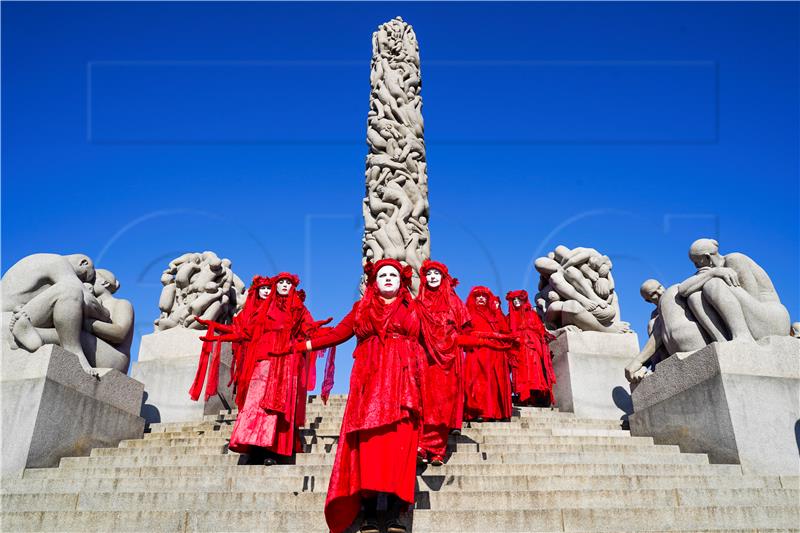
(396, 527)
(369, 526)
(455, 431)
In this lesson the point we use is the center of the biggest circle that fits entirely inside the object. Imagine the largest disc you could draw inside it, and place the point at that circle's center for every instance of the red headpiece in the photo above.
(521, 294)
(371, 270)
(260, 281)
(441, 267)
(288, 276)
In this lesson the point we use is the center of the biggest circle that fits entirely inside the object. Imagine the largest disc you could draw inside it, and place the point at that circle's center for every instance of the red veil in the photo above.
(251, 305)
(534, 365)
(439, 309)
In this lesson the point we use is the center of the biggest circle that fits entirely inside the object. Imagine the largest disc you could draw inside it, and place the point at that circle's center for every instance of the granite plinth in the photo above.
(52, 409)
(738, 402)
(167, 365)
(590, 373)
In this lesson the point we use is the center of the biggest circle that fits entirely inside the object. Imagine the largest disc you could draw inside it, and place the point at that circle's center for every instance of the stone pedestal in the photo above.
(590, 373)
(738, 402)
(52, 409)
(167, 365)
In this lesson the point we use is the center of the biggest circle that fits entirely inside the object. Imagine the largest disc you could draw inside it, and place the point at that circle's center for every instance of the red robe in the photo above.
(486, 370)
(378, 439)
(274, 407)
(443, 316)
(532, 366)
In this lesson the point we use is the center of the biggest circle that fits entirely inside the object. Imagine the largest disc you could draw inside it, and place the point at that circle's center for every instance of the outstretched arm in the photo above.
(328, 337)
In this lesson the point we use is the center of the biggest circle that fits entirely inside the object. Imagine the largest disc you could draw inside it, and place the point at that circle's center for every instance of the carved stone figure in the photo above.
(55, 299)
(198, 285)
(110, 341)
(731, 296)
(395, 207)
(576, 291)
(683, 334)
(795, 331)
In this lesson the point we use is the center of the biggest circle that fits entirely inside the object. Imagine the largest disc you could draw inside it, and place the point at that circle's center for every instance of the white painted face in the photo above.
(517, 302)
(480, 299)
(283, 287)
(263, 292)
(388, 280)
(433, 277)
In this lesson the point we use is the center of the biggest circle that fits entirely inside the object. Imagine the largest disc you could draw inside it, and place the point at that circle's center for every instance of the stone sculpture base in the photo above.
(590, 373)
(738, 402)
(52, 409)
(167, 365)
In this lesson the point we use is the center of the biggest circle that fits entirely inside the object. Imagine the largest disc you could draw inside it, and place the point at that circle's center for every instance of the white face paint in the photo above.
(480, 299)
(263, 292)
(388, 280)
(433, 277)
(283, 286)
(517, 302)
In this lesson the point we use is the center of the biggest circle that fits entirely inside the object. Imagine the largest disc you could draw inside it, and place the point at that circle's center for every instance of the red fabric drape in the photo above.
(486, 371)
(533, 368)
(443, 315)
(380, 428)
(274, 406)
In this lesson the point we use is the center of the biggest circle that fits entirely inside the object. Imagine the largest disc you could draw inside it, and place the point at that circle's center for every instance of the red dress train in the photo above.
(380, 428)
(487, 382)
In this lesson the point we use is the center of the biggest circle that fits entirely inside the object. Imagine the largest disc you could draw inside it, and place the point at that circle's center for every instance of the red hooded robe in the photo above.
(443, 316)
(274, 407)
(532, 366)
(486, 369)
(380, 428)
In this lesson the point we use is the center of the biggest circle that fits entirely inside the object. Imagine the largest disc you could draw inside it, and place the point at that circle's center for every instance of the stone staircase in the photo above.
(542, 471)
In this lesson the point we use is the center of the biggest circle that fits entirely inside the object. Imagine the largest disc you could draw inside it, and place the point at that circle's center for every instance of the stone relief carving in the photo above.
(395, 207)
(198, 285)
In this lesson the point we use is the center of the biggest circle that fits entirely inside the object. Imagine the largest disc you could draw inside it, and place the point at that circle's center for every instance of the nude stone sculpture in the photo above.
(576, 291)
(51, 299)
(731, 296)
(198, 285)
(395, 208)
(683, 335)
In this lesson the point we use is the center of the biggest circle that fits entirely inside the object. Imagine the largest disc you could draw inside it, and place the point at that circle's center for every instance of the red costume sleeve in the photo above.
(336, 335)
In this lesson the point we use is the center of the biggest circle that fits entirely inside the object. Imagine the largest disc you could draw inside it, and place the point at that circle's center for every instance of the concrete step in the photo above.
(543, 458)
(93, 470)
(201, 448)
(454, 500)
(262, 481)
(638, 519)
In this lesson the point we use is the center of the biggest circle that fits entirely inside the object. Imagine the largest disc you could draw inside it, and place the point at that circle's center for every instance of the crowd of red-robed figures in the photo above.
(422, 366)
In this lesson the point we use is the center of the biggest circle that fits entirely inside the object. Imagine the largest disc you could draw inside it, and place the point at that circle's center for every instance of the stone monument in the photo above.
(578, 302)
(65, 347)
(730, 383)
(195, 285)
(395, 205)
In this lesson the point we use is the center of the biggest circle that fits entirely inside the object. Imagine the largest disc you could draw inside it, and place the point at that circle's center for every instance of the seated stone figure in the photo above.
(731, 296)
(683, 334)
(46, 298)
(108, 344)
(576, 291)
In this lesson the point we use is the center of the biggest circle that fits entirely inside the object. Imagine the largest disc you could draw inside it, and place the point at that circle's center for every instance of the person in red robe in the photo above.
(257, 294)
(375, 465)
(274, 408)
(443, 316)
(218, 333)
(532, 368)
(487, 382)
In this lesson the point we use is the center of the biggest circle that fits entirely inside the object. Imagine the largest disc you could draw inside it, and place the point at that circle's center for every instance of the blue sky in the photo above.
(134, 132)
